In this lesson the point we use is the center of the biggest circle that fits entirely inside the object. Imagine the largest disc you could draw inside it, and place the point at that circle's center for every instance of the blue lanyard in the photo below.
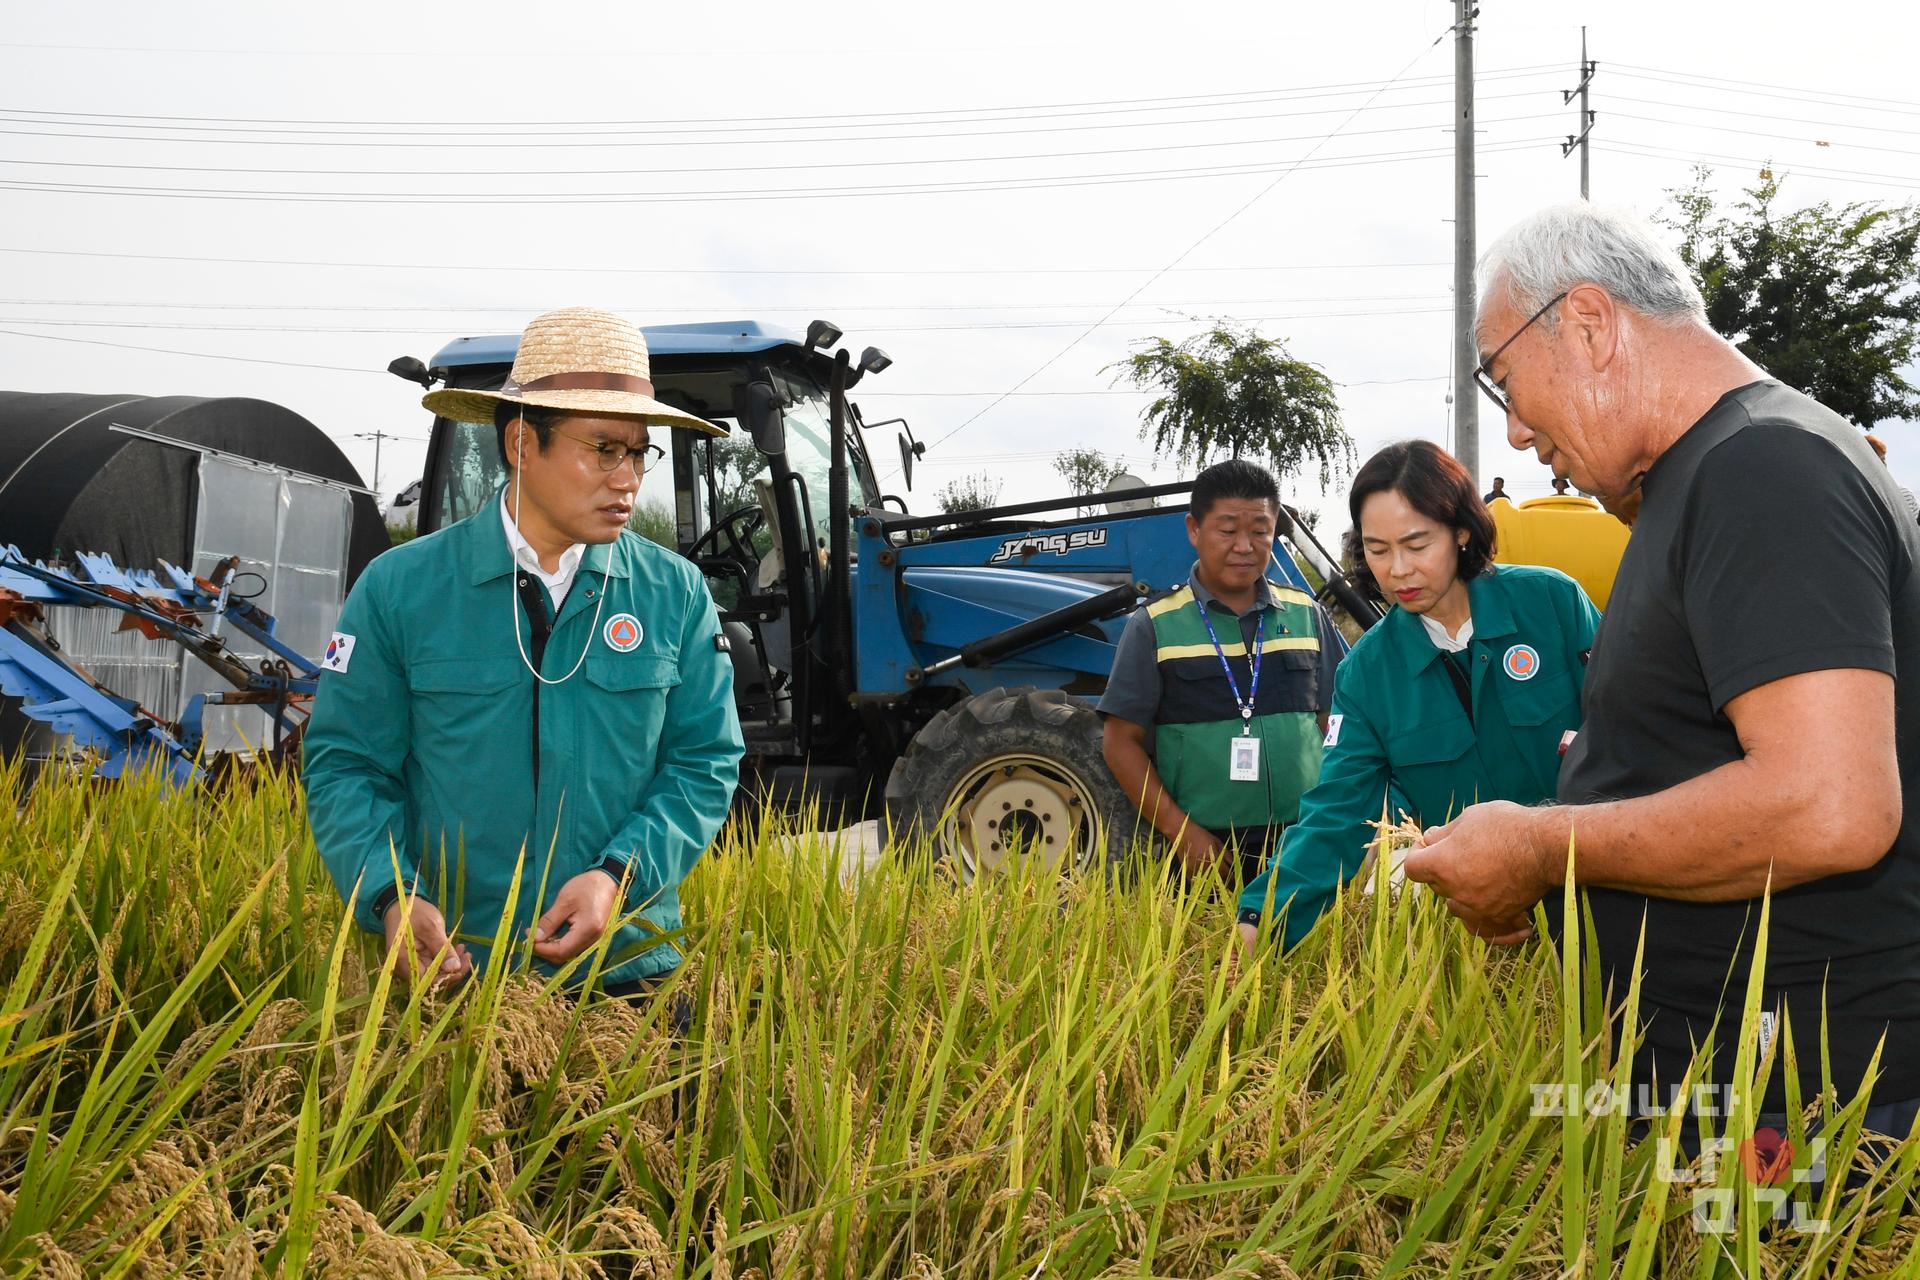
(1259, 651)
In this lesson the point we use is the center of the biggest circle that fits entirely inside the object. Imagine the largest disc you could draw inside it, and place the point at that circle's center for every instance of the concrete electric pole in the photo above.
(1466, 355)
(376, 437)
(1586, 116)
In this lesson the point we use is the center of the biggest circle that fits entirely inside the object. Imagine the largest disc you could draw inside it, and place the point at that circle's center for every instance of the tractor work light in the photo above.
(822, 334)
(873, 360)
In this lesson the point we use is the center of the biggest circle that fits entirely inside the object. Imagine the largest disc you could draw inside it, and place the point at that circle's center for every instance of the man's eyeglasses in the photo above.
(611, 453)
(1483, 374)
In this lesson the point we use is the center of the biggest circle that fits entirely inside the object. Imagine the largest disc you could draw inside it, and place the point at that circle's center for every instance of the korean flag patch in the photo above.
(339, 653)
(1333, 731)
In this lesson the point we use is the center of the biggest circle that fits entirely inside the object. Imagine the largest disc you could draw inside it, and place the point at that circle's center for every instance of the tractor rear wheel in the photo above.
(1011, 772)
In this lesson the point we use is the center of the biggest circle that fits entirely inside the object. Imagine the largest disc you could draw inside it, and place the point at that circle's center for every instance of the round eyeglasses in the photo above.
(611, 453)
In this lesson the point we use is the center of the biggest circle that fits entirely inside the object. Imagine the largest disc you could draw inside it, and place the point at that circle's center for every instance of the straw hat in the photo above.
(578, 360)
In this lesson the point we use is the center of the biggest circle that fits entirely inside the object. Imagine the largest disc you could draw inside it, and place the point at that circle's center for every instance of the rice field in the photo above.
(203, 1073)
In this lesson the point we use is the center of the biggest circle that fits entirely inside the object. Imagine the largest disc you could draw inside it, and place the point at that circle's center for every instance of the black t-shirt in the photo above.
(1771, 542)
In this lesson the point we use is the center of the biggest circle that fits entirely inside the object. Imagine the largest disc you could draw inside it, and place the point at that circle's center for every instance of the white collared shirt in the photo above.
(525, 557)
(1441, 640)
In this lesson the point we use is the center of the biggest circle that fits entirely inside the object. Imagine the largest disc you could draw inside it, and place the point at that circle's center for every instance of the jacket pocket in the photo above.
(1440, 743)
(621, 718)
(462, 675)
(1431, 764)
(1528, 703)
(459, 705)
(629, 672)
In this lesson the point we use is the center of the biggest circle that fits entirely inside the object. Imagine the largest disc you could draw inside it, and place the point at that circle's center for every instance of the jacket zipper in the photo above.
(541, 627)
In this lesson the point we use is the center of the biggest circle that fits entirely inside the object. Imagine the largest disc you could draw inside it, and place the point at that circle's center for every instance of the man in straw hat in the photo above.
(526, 720)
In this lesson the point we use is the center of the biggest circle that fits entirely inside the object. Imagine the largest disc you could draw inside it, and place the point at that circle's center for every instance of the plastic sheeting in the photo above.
(292, 536)
(70, 482)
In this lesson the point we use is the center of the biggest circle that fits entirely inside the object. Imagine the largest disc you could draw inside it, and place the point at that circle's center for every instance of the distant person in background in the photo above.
(1880, 448)
(1499, 490)
(1561, 485)
(1218, 699)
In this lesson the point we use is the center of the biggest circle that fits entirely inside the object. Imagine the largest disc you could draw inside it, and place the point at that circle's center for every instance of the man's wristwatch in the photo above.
(615, 867)
(1250, 915)
(384, 900)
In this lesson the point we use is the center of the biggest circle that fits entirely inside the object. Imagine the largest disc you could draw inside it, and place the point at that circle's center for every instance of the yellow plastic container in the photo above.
(1570, 533)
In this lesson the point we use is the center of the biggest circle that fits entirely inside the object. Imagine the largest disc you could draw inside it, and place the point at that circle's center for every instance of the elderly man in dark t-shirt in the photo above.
(1743, 729)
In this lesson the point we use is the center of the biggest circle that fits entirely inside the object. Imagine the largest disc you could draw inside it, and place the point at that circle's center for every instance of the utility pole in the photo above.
(376, 436)
(1586, 116)
(1466, 354)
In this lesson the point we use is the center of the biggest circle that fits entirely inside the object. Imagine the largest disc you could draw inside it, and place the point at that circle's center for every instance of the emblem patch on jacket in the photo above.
(623, 633)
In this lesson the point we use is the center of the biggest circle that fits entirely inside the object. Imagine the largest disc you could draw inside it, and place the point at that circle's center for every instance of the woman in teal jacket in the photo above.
(1463, 693)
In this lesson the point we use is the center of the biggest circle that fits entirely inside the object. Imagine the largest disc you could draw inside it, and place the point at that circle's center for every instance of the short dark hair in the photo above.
(1498, 481)
(541, 420)
(1435, 484)
(1236, 478)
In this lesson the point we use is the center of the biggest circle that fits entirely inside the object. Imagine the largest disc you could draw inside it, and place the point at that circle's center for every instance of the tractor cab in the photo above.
(939, 670)
(755, 509)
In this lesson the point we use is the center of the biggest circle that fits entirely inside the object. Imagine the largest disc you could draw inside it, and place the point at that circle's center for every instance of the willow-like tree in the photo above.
(1233, 393)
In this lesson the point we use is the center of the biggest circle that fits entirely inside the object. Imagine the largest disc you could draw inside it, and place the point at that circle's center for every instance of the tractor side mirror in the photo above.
(760, 413)
(906, 461)
(410, 368)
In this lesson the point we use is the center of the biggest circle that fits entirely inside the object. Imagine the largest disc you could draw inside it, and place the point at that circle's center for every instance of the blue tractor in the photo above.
(942, 668)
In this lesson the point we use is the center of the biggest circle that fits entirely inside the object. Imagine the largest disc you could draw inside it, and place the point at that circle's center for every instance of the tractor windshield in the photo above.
(810, 448)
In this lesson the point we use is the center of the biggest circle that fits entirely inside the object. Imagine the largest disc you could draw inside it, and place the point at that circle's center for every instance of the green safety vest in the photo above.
(1198, 717)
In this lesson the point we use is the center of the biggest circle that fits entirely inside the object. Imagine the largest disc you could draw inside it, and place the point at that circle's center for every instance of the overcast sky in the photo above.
(1056, 160)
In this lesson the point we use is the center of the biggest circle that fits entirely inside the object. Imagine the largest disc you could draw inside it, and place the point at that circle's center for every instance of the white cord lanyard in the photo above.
(514, 596)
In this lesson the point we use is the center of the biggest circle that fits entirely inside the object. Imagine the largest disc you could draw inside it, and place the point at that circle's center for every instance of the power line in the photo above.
(1107, 322)
(1182, 255)
(1748, 114)
(468, 141)
(733, 307)
(174, 351)
(1171, 102)
(1645, 150)
(734, 168)
(1765, 133)
(728, 195)
(468, 268)
(870, 393)
(1765, 88)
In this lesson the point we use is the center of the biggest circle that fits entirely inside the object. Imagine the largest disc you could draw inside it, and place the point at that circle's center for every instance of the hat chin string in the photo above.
(513, 596)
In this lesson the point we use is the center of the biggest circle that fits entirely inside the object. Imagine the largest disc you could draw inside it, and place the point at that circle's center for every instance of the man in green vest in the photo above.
(1216, 708)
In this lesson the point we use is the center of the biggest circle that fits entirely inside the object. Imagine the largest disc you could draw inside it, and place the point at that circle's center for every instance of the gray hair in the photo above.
(1567, 245)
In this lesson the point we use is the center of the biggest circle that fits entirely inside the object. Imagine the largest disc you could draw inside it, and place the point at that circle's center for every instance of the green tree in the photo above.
(736, 461)
(1086, 471)
(1825, 298)
(655, 524)
(973, 492)
(1234, 393)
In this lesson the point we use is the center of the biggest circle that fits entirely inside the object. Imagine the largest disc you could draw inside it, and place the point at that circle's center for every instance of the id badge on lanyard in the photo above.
(1243, 752)
(1245, 763)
